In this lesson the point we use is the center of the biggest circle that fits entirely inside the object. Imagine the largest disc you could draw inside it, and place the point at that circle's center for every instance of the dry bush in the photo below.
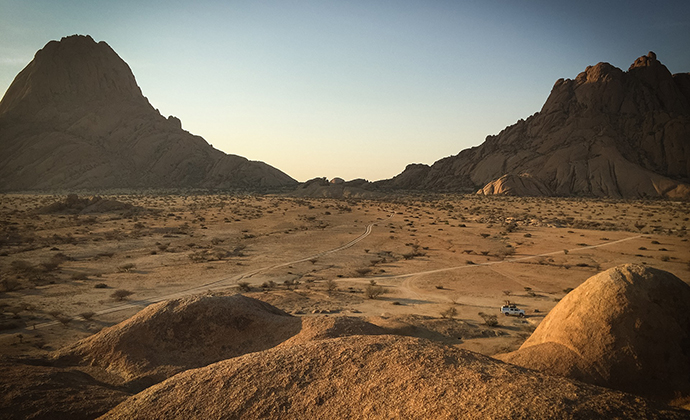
(489, 320)
(121, 294)
(373, 290)
(244, 286)
(198, 256)
(87, 315)
(331, 285)
(268, 285)
(125, 268)
(8, 285)
(80, 276)
(449, 313)
(60, 317)
(363, 271)
(22, 266)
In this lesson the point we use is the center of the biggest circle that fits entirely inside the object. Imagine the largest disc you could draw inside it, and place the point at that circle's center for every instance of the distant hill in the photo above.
(608, 133)
(75, 118)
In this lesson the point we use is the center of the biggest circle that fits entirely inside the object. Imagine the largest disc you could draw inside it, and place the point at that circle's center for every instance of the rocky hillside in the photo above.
(75, 118)
(607, 133)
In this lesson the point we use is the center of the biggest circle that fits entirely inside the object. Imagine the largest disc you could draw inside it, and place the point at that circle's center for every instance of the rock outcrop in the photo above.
(607, 133)
(168, 337)
(31, 391)
(377, 377)
(75, 118)
(336, 188)
(518, 185)
(627, 328)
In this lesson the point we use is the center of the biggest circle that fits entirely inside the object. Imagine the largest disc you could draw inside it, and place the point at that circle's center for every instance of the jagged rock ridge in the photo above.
(75, 118)
(607, 133)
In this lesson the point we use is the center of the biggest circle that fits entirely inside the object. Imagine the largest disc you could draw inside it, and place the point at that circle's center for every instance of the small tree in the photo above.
(121, 294)
(489, 320)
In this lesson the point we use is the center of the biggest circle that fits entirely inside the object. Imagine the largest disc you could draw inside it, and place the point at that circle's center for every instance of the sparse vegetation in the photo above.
(121, 294)
(449, 313)
(87, 315)
(126, 268)
(489, 320)
(373, 290)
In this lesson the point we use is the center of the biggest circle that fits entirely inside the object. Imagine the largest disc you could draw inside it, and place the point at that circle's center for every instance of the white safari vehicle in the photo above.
(512, 310)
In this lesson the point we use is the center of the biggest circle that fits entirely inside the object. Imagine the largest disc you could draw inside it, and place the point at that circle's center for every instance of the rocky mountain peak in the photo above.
(606, 133)
(648, 60)
(70, 73)
(75, 118)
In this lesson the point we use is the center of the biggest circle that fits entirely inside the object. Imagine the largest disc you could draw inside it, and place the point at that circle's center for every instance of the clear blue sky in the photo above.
(355, 89)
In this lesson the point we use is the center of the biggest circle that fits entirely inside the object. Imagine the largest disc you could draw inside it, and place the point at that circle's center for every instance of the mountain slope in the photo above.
(608, 133)
(75, 118)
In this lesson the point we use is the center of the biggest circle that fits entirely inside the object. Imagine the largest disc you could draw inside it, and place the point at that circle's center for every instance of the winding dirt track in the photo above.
(407, 286)
(222, 283)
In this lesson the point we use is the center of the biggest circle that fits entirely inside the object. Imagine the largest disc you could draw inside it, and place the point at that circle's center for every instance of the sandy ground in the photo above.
(435, 256)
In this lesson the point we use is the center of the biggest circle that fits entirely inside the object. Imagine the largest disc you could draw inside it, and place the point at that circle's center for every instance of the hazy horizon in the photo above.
(351, 90)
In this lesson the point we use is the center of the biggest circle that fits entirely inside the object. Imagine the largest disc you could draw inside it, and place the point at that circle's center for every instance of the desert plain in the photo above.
(431, 266)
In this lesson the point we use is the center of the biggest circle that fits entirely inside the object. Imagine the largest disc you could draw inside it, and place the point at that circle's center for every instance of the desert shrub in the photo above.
(100, 286)
(80, 276)
(507, 292)
(10, 325)
(373, 290)
(22, 266)
(121, 294)
(505, 252)
(198, 257)
(125, 268)
(665, 258)
(8, 285)
(363, 271)
(60, 317)
(244, 286)
(449, 313)
(268, 285)
(87, 315)
(331, 285)
(489, 320)
(49, 266)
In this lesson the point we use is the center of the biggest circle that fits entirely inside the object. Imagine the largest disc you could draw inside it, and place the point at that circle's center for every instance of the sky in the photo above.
(351, 89)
